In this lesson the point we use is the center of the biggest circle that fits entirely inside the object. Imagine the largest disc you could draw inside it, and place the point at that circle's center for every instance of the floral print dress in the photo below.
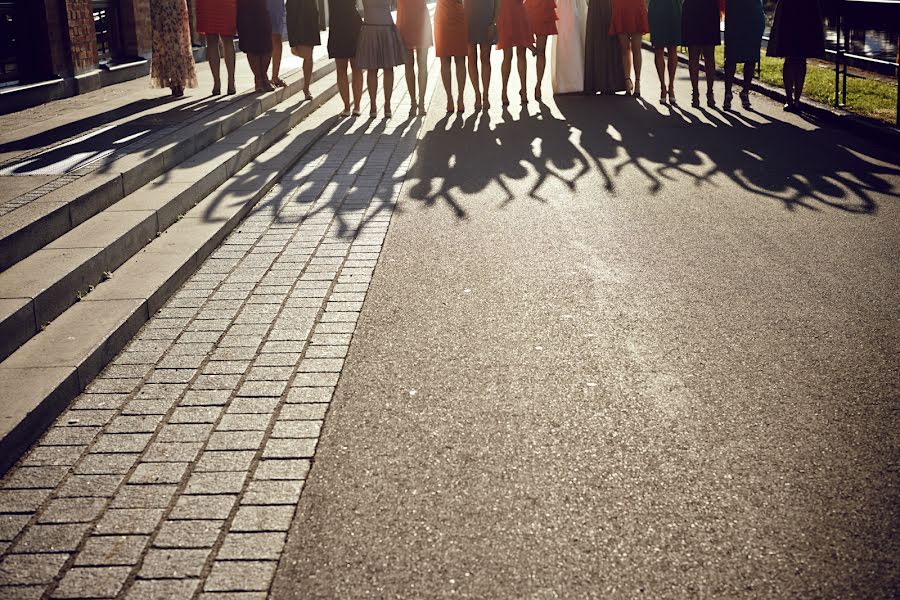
(172, 64)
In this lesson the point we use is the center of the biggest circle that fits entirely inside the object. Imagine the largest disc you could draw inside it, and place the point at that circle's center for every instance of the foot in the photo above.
(727, 103)
(486, 105)
(629, 86)
(460, 107)
(637, 89)
(662, 96)
(279, 82)
(672, 99)
(387, 113)
(356, 112)
(413, 110)
(267, 87)
(345, 113)
(373, 113)
(231, 90)
(178, 92)
(537, 92)
(216, 91)
(695, 100)
(504, 98)
(450, 108)
(306, 94)
(710, 100)
(524, 97)
(745, 100)
(478, 103)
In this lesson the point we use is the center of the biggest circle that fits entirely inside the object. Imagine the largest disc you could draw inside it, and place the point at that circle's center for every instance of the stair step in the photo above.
(40, 379)
(37, 289)
(38, 223)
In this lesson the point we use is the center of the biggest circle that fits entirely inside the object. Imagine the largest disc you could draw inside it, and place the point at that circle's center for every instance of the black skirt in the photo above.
(700, 23)
(254, 27)
(344, 24)
(798, 30)
(303, 23)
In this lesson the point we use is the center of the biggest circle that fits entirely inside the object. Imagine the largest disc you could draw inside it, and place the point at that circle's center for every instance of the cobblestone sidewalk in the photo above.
(177, 473)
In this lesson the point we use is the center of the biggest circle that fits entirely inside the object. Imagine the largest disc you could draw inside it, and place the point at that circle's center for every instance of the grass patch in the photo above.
(867, 97)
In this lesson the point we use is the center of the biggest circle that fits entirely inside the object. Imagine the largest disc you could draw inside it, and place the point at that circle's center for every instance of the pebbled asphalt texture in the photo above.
(618, 350)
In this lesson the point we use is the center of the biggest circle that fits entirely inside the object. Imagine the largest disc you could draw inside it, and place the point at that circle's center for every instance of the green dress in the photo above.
(745, 22)
(665, 23)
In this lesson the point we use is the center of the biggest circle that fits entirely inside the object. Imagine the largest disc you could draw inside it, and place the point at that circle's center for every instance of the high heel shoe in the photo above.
(662, 96)
(695, 99)
(745, 100)
(710, 99)
(637, 89)
(629, 86)
(726, 105)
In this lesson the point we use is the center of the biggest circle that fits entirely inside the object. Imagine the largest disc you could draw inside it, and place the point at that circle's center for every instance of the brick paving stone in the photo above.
(172, 452)
(30, 569)
(161, 391)
(156, 406)
(226, 367)
(216, 382)
(282, 469)
(134, 424)
(262, 388)
(296, 429)
(303, 412)
(121, 386)
(251, 518)
(90, 486)
(316, 351)
(330, 339)
(230, 460)
(51, 538)
(25, 478)
(154, 473)
(316, 379)
(87, 417)
(252, 546)
(290, 448)
(91, 582)
(215, 483)
(144, 496)
(278, 359)
(205, 398)
(122, 443)
(30, 592)
(196, 414)
(69, 436)
(321, 365)
(173, 563)
(203, 507)
(164, 589)
(188, 534)
(235, 440)
(307, 395)
(72, 510)
(129, 521)
(99, 402)
(184, 432)
(240, 576)
(11, 525)
(109, 464)
(253, 405)
(258, 373)
(112, 550)
(335, 328)
(244, 422)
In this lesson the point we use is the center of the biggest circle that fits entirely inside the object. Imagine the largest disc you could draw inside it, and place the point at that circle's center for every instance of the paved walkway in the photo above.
(610, 349)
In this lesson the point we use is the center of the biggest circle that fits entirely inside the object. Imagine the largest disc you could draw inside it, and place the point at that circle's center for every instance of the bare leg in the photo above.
(228, 47)
(277, 47)
(388, 90)
(213, 56)
(540, 64)
(799, 80)
(748, 81)
(505, 68)
(709, 64)
(659, 58)
(422, 59)
(625, 43)
(253, 61)
(264, 60)
(460, 83)
(357, 83)
(523, 72)
(694, 71)
(343, 82)
(473, 74)
(486, 74)
(305, 52)
(372, 81)
(673, 67)
(411, 80)
(638, 62)
(445, 79)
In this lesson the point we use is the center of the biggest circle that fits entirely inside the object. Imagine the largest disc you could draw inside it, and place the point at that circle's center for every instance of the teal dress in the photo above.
(665, 23)
(745, 22)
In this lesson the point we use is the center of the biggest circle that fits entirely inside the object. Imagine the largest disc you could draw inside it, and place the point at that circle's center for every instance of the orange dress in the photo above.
(513, 28)
(542, 16)
(216, 16)
(451, 36)
(414, 24)
(629, 16)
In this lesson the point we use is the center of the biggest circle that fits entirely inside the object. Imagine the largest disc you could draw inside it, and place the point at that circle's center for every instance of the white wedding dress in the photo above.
(567, 51)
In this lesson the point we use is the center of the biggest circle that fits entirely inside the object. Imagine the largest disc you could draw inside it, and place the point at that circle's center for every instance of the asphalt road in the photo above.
(613, 350)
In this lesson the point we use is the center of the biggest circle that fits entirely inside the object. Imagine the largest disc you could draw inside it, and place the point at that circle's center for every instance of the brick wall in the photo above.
(82, 36)
(135, 23)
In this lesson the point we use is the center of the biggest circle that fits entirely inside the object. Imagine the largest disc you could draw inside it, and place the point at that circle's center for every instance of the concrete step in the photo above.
(38, 223)
(40, 379)
(37, 289)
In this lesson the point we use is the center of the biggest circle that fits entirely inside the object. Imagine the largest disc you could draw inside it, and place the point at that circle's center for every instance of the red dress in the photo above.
(414, 24)
(451, 36)
(629, 16)
(513, 29)
(217, 17)
(542, 16)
